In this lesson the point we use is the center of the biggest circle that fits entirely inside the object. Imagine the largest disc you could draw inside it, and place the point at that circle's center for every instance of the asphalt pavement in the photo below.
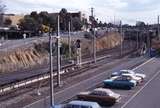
(146, 95)
(88, 83)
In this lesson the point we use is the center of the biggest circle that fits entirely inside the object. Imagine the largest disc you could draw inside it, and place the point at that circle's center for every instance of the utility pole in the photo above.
(51, 72)
(149, 43)
(121, 32)
(69, 39)
(94, 38)
(158, 28)
(58, 55)
(137, 40)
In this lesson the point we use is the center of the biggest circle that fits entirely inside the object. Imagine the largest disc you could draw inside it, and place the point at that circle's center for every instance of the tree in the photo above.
(77, 23)
(34, 15)
(65, 17)
(7, 22)
(29, 23)
(2, 9)
(38, 22)
(45, 17)
(140, 24)
(100, 24)
(53, 22)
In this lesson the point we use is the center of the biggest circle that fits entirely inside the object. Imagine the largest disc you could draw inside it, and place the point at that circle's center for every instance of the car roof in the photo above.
(85, 103)
(125, 70)
(113, 78)
(102, 90)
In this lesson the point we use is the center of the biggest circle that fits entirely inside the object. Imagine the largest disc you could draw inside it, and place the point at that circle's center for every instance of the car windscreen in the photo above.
(77, 106)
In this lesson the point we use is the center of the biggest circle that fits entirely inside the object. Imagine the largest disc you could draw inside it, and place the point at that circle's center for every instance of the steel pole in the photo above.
(137, 40)
(158, 28)
(69, 39)
(94, 38)
(94, 46)
(121, 32)
(51, 73)
(58, 55)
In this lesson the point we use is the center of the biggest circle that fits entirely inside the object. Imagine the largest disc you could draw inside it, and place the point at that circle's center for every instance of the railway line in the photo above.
(31, 82)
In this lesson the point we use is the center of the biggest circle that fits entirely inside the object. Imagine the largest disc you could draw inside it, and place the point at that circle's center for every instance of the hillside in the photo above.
(37, 54)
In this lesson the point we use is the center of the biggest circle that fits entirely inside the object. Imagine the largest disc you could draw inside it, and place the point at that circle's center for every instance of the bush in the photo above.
(87, 35)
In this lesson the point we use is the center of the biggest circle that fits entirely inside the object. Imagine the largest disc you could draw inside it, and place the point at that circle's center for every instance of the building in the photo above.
(13, 17)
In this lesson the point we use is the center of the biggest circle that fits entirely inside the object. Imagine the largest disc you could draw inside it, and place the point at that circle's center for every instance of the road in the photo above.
(100, 73)
(145, 95)
(148, 96)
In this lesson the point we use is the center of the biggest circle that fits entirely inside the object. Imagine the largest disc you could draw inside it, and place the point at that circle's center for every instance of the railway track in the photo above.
(41, 77)
(34, 79)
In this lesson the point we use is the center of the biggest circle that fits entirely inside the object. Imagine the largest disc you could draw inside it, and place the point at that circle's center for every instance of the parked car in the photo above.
(143, 76)
(121, 82)
(102, 96)
(133, 77)
(79, 104)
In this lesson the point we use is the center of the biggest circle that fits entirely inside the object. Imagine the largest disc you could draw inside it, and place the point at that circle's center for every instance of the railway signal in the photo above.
(78, 50)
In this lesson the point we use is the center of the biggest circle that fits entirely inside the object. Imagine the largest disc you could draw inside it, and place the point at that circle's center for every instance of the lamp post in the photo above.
(94, 38)
(121, 31)
(69, 39)
(51, 72)
(58, 54)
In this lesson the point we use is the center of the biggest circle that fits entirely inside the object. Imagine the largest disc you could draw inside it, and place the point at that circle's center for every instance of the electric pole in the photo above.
(51, 72)
(58, 55)
(137, 40)
(121, 32)
(158, 28)
(94, 38)
(149, 43)
(69, 39)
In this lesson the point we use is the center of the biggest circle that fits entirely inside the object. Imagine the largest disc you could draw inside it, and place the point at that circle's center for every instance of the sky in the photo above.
(129, 11)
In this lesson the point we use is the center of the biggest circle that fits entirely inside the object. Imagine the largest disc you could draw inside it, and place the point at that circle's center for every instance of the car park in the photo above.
(79, 104)
(121, 72)
(121, 82)
(103, 96)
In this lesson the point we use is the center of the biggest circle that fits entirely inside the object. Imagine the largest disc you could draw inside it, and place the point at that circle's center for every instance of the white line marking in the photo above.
(144, 63)
(123, 106)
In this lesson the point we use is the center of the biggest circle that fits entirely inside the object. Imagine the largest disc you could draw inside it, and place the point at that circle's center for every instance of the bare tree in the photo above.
(2, 9)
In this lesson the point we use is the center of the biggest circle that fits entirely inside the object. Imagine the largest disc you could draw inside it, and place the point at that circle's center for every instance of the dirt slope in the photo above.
(22, 58)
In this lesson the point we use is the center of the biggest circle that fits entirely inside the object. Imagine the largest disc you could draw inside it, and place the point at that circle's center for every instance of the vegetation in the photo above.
(7, 22)
(77, 24)
(2, 7)
(40, 22)
(29, 23)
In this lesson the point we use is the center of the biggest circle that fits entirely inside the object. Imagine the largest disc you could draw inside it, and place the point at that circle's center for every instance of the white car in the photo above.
(143, 76)
(121, 72)
(133, 77)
